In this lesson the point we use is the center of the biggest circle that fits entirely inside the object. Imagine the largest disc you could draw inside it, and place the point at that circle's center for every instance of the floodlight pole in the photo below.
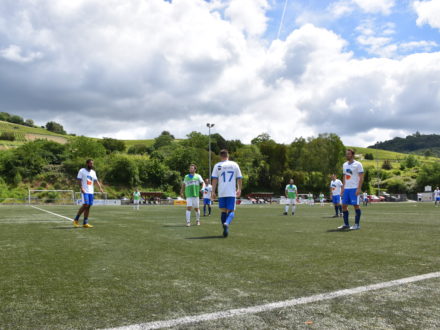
(209, 125)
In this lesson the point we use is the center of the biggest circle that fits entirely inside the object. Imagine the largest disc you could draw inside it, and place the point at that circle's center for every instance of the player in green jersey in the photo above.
(321, 199)
(291, 192)
(191, 186)
(136, 199)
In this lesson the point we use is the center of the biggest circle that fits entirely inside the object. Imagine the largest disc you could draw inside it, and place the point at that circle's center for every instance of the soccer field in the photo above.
(136, 267)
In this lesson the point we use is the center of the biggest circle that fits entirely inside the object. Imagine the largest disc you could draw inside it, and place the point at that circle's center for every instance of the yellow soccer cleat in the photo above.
(87, 226)
(75, 223)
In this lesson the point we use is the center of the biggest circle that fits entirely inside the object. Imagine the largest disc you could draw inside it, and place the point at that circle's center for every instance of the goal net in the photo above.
(47, 196)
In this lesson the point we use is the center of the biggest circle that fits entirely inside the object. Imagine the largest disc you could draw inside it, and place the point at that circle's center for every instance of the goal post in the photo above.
(51, 196)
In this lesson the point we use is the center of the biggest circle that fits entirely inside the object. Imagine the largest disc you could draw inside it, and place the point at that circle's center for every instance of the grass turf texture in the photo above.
(137, 267)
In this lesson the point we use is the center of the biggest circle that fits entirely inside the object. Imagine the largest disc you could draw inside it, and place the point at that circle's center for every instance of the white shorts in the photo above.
(291, 201)
(193, 202)
(136, 201)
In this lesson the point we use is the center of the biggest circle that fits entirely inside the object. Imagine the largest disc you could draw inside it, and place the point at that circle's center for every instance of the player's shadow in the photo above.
(205, 237)
(64, 228)
(338, 230)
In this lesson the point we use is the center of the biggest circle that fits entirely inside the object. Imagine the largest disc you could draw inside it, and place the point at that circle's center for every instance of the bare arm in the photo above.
(214, 186)
(239, 185)
(343, 185)
(80, 186)
(182, 189)
(99, 185)
(361, 181)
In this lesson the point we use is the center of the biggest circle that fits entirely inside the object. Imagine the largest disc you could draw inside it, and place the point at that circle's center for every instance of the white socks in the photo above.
(188, 216)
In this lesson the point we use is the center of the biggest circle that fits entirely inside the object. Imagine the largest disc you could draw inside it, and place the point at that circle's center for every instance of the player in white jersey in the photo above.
(353, 179)
(335, 192)
(436, 196)
(207, 197)
(86, 178)
(365, 198)
(227, 175)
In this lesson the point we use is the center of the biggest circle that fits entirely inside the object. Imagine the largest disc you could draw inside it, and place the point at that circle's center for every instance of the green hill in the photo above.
(23, 134)
(422, 144)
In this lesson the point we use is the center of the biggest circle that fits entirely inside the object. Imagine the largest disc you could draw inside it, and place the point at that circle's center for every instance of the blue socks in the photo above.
(224, 216)
(337, 209)
(77, 218)
(229, 218)
(357, 218)
(86, 221)
(345, 213)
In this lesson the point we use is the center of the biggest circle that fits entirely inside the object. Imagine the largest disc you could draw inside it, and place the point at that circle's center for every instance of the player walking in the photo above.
(207, 194)
(191, 191)
(86, 178)
(291, 192)
(437, 196)
(335, 192)
(136, 199)
(227, 175)
(353, 179)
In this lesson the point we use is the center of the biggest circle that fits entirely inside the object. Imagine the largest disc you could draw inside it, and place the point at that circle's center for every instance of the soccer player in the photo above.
(335, 192)
(321, 199)
(436, 196)
(353, 179)
(310, 200)
(86, 178)
(365, 198)
(227, 175)
(191, 191)
(291, 191)
(136, 199)
(207, 192)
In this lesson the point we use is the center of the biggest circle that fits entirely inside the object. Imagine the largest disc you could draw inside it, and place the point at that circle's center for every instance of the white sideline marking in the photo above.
(58, 215)
(277, 305)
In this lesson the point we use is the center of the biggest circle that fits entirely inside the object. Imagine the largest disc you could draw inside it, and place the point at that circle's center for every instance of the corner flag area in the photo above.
(146, 269)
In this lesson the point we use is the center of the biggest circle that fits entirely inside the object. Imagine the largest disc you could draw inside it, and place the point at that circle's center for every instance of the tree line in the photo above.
(267, 165)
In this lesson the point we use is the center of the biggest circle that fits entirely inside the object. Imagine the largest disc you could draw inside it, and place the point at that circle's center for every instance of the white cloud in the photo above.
(131, 69)
(428, 12)
(14, 53)
(344, 7)
(248, 15)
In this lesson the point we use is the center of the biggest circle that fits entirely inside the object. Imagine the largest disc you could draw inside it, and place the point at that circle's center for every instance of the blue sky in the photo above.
(366, 70)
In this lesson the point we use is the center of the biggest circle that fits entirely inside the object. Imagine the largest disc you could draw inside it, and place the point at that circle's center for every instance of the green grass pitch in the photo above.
(142, 266)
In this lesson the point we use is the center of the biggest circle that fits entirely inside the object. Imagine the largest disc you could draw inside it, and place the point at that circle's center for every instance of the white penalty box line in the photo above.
(277, 305)
(56, 214)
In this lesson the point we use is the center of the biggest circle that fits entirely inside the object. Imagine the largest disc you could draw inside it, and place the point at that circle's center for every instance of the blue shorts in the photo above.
(336, 199)
(437, 199)
(87, 199)
(206, 201)
(350, 197)
(226, 203)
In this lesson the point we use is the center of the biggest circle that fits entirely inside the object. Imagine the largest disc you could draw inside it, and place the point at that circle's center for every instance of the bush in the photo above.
(369, 156)
(8, 136)
(386, 165)
(55, 127)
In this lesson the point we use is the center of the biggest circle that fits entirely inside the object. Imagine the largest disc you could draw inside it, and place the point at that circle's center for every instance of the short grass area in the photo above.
(141, 266)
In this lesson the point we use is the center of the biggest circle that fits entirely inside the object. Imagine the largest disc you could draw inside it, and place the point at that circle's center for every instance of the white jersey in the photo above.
(336, 186)
(365, 195)
(351, 173)
(436, 193)
(87, 180)
(207, 191)
(227, 173)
